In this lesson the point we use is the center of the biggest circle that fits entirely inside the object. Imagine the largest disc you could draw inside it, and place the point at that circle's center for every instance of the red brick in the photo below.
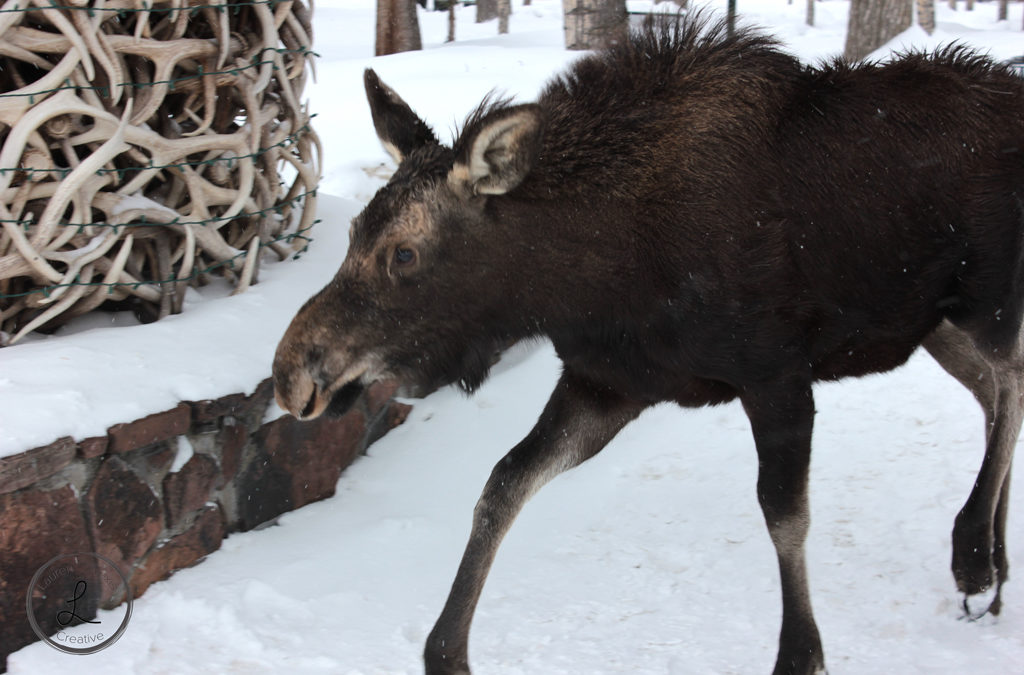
(397, 414)
(93, 447)
(205, 411)
(150, 429)
(156, 459)
(297, 463)
(378, 394)
(123, 514)
(387, 419)
(24, 469)
(36, 526)
(202, 538)
(189, 489)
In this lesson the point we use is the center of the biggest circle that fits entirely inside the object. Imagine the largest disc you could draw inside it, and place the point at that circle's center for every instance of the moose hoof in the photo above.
(441, 670)
(439, 658)
(805, 669)
(986, 603)
(806, 662)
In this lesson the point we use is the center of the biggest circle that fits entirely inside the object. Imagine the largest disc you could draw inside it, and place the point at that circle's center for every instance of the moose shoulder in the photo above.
(694, 217)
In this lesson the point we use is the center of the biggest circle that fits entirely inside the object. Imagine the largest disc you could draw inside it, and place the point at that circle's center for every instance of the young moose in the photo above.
(694, 217)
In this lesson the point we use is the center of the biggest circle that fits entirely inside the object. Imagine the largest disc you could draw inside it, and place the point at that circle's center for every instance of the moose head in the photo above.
(422, 293)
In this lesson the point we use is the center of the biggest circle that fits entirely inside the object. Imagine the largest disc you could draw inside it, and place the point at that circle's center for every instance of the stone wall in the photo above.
(160, 493)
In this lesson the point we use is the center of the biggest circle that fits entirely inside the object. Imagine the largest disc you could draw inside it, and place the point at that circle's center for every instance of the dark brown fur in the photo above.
(695, 217)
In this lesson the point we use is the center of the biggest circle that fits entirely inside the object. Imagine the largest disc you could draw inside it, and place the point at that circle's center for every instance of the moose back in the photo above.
(694, 216)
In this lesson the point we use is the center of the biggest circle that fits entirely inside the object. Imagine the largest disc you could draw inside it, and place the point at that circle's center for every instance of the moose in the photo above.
(692, 215)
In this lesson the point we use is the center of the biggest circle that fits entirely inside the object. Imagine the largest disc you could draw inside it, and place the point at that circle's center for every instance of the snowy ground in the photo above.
(651, 558)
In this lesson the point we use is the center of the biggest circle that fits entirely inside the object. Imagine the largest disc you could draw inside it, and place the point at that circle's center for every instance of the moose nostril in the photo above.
(310, 404)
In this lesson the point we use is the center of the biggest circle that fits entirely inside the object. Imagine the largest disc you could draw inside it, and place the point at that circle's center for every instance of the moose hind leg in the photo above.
(999, 559)
(979, 556)
(782, 418)
(575, 425)
(979, 561)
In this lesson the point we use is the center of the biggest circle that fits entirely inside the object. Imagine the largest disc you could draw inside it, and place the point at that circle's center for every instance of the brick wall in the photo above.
(121, 495)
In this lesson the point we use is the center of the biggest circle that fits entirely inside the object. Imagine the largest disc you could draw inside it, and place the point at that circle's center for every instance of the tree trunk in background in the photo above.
(592, 24)
(486, 10)
(873, 23)
(810, 12)
(451, 22)
(504, 10)
(398, 29)
(1003, 10)
(926, 15)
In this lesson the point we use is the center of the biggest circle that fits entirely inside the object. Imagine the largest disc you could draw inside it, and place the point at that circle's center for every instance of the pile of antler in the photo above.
(145, 145)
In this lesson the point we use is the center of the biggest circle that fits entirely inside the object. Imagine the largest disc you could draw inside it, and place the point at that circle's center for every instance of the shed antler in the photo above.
(136, 189)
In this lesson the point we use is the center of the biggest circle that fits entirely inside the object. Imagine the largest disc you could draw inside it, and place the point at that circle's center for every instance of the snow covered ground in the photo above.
(651, 558)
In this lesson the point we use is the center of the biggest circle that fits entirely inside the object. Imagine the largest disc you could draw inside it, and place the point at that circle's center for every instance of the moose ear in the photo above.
(398, 127)
(498, 150)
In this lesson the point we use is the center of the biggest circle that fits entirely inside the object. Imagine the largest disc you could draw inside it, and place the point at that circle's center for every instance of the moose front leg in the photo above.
(576, 424)
(781, 418)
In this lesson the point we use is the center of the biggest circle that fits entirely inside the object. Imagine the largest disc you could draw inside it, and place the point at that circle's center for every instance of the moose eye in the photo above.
(404, 256)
